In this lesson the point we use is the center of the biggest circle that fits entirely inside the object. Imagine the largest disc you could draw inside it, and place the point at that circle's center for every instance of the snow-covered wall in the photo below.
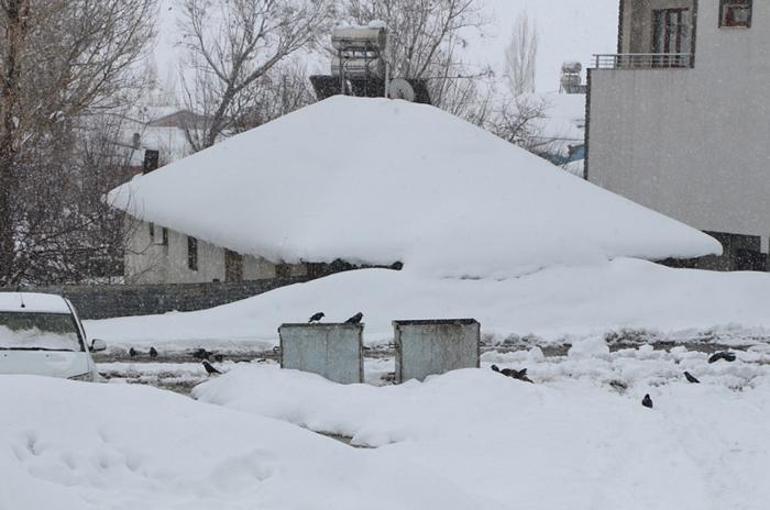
(149, 261)
(691, 143)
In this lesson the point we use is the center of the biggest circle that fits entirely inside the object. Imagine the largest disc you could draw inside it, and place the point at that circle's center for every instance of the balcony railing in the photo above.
(643, 61)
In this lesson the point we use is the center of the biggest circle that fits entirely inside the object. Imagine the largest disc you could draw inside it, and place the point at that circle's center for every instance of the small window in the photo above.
(192, 253)
(282, 271)
(735, 13)
(152, 232)
(164, 239)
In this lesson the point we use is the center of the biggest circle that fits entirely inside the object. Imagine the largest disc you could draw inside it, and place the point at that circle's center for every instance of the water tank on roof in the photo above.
(371, 38)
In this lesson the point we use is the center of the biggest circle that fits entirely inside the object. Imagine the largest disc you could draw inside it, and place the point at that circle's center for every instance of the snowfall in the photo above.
(578, 438)
(486, 231)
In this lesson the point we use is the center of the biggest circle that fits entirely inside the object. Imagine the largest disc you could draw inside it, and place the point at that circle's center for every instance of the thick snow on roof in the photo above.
(32, 302)
(379, 181)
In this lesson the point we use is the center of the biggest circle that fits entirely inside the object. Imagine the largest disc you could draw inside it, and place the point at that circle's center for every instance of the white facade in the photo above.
(155, 258)
(690, 142)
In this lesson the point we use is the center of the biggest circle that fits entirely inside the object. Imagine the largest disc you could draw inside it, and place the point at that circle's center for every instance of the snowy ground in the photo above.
(577, 438)
(631, 300)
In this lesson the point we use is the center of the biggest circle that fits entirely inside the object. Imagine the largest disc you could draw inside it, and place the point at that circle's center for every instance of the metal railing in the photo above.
(643, 61)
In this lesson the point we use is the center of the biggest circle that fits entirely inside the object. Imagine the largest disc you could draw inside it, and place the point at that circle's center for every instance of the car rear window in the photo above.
(39, 331)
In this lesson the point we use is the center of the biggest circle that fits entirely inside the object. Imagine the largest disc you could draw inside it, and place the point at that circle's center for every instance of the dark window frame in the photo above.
(164, 237)
(192, 253)
(725, 7)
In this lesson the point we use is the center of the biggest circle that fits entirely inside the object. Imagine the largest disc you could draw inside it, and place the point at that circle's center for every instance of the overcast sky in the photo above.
(570, 30)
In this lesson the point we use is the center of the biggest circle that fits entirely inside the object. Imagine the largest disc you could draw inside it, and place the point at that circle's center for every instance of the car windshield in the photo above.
(38, 331)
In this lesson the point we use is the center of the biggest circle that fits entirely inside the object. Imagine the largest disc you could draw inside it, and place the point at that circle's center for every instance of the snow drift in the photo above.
(568, 444)
(378, 181)
(553, 304)
(78, 446)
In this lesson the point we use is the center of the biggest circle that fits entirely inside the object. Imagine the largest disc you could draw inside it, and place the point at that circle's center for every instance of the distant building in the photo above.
(678, 119)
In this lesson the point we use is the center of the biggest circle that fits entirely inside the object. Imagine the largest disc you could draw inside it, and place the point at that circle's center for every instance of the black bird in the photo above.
(317, 317)
(727, 356)
(691, 378)
(201, 354)
(132, 352)
(647, 401)
(219, 358)
(153, 352)
(356, 319)
(521, 375)
(210, 369)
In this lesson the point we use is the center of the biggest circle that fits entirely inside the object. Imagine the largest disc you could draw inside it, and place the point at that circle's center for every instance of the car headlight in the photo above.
(88, 376)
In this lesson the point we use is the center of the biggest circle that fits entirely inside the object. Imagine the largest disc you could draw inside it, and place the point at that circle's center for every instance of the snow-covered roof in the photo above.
(32, 302)
(377, 181)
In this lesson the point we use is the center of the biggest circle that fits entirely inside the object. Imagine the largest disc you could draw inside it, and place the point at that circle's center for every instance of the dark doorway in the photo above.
(233, 266)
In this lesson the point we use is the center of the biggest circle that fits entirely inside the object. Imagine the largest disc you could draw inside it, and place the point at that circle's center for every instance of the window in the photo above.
(164, 238)
(672, 38)
(735, 13)
(152, 232)
(192, 253)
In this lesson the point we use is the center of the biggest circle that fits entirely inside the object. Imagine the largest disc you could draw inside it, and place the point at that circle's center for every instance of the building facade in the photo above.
(679, 119)
(158, 255)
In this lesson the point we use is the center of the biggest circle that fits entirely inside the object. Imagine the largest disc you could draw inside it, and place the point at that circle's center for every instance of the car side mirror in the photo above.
(98, 346)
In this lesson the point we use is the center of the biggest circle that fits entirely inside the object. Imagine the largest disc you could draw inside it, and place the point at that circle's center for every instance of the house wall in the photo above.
(148, 261)
(692, 143)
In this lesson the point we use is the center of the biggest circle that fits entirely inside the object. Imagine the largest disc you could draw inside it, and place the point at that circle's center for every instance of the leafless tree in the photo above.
(282, 90)
(518, 121)
(234, 44)
(426, 42)
(60, 60)
(521, 56)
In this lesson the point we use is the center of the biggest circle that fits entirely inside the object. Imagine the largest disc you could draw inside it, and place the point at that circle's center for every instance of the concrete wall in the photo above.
(106, 301)
(692, 143)
(334, 351)
(148, 261)
(433, 347)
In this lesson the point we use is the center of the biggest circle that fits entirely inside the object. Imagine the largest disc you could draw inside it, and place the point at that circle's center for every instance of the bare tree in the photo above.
(234, 44)
(282, 90)
(60, 60)
(521, 56)
(426, 42)
(518, 121)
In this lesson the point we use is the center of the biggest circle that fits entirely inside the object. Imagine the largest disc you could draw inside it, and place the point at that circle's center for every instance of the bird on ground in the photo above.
(210, 369)
(316, 317)
(727, 356)
(153, 352)
(201, 354)
(691, 378)
(132, 352)
(521, 375)
(356, 319)
(647, 401)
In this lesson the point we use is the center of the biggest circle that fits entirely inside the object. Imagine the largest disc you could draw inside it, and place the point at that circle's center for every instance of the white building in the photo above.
(678, 119)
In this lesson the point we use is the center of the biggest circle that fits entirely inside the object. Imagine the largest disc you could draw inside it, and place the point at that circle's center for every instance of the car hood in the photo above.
(50, 363)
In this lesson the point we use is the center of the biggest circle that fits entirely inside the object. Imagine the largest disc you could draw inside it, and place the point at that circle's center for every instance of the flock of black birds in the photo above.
(521, 375)
(153, 352)
(356, 319)
(206, 357)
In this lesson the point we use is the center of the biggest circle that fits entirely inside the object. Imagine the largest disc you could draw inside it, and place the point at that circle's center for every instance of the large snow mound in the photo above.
(79, 446)
(552, 304)
(379, 181)
(568, 444)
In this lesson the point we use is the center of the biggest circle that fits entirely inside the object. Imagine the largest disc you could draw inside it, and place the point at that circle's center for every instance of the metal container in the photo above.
(431, 347)
(334, 351)
(359, 38)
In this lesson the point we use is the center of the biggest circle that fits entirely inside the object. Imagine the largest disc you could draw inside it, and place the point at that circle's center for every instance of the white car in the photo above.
(40, 334)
